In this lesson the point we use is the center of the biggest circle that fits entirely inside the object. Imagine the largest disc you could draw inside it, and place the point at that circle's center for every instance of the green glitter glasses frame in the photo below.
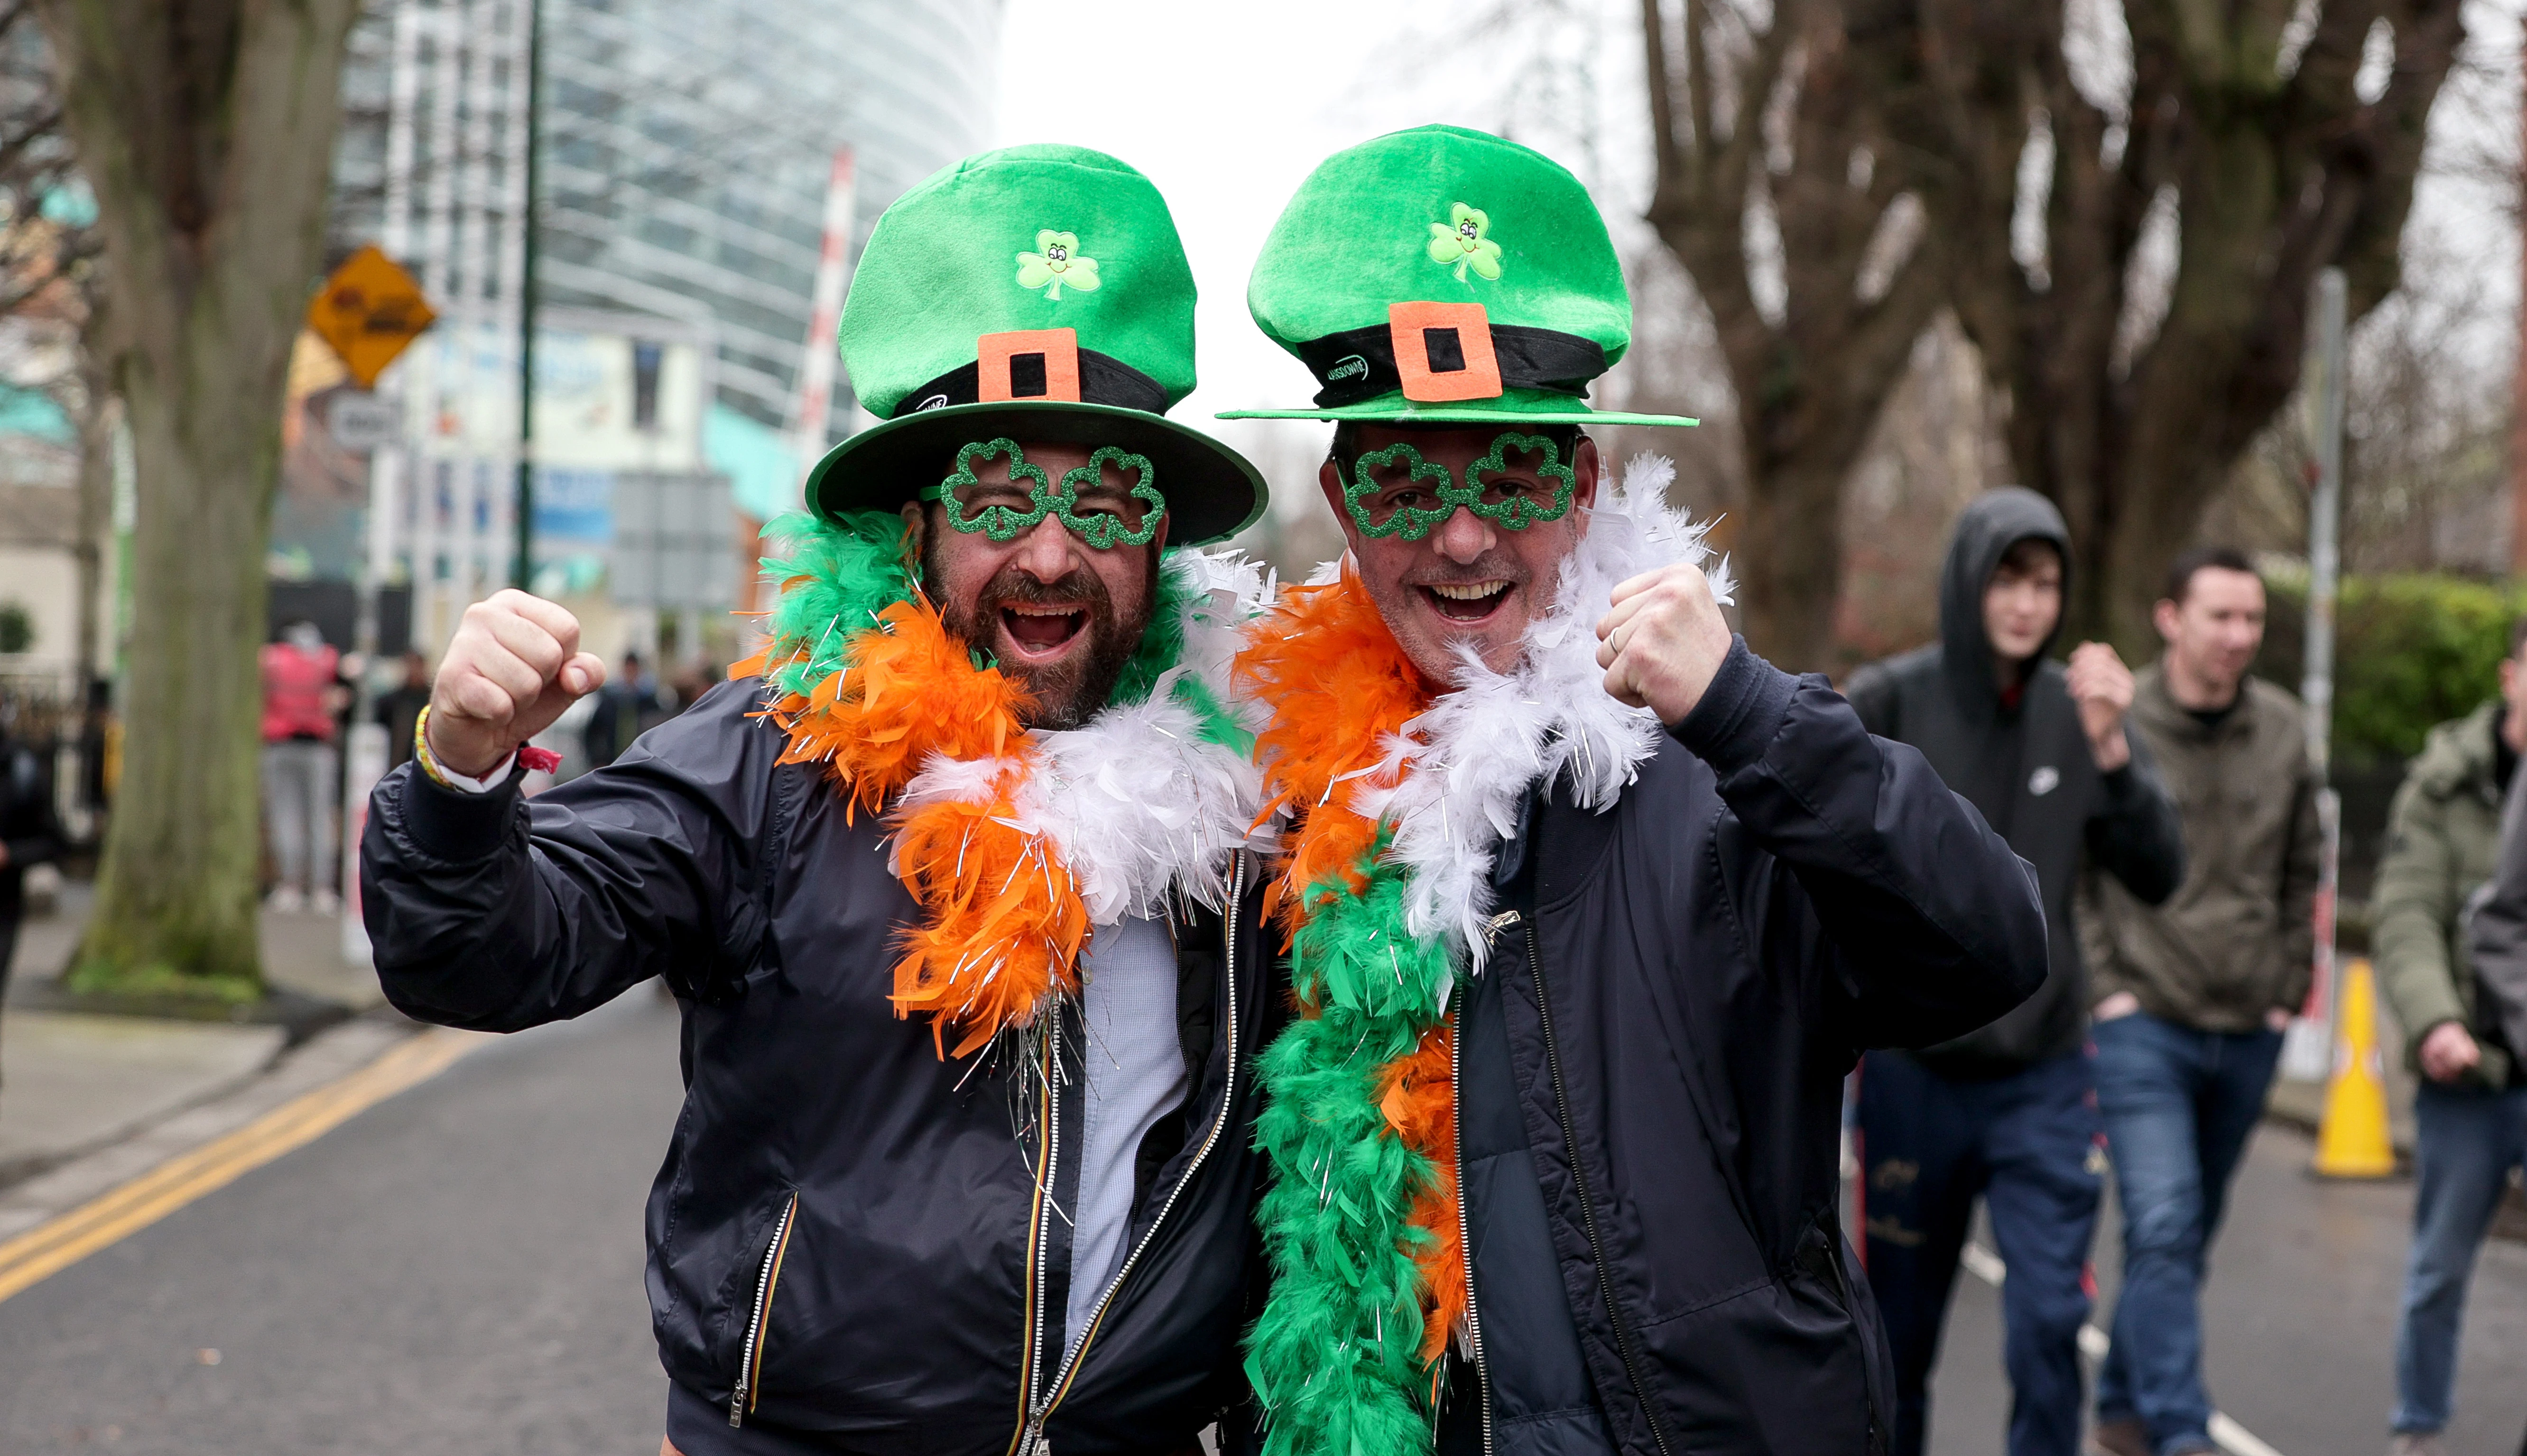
(1394, 492)
(1099, 514)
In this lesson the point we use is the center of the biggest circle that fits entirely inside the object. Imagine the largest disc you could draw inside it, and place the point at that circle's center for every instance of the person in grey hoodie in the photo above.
(2007, 1112)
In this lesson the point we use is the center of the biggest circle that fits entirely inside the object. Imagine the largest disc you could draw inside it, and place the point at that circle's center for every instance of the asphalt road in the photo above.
(456, 1270)
(2298, 1322)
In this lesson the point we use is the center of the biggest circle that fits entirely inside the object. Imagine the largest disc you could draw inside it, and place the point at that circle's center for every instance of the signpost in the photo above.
(2308, 1047)
(370, 310)
(361, 422)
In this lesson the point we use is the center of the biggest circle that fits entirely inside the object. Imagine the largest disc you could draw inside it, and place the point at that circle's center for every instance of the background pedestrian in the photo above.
(2195, 992)
(616, 719)
(30, 834)
(2006, 1112)
(397, 709)
(301, 765)
(2470, 1111)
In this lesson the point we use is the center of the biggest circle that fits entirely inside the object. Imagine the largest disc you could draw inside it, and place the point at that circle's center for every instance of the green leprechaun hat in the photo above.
(1443, 275)
(1034, 292)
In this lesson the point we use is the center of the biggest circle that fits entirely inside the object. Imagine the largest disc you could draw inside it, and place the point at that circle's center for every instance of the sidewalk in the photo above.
(72, 1082)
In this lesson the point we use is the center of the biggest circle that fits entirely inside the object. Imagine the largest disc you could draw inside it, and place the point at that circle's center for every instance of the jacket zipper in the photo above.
(1587, 1207)
(1039, 1230)
(1033, 1443)
(1851, 1311)
(1465, 1236)
(749, 1362)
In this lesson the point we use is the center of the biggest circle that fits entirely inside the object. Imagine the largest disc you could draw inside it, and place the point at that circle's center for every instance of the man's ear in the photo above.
(1330, 482)
(1586, 465)
(2165, 617)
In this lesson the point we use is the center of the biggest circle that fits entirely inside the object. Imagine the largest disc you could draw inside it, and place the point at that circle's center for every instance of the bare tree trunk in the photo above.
(1853, 272)
(1789, 560)
(206, 128)
(95, 492)
(2274, 168)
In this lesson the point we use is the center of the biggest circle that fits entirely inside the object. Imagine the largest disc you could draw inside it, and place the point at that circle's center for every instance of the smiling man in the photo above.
(949, 883)
(1590, 908)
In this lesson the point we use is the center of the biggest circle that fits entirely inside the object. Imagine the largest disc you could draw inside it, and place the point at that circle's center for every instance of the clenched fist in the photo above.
(2101, 688)
(512, 668)
(1662, 642)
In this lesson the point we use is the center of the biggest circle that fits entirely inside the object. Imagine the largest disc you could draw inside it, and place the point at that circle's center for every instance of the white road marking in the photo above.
(2234, 1438)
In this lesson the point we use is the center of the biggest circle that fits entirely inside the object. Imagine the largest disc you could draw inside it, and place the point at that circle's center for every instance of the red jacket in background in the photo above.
(295, 685)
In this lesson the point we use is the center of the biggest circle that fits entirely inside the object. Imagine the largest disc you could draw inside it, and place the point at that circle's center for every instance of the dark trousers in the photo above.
(11, 908)
(2029, 1144)
(2179, 1105)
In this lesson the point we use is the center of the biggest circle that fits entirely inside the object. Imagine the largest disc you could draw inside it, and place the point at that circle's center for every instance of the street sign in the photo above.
(369, 310)
(360, 423)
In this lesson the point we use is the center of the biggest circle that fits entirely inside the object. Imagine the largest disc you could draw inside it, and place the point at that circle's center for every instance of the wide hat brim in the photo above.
(1212, 492)
(1519, 407)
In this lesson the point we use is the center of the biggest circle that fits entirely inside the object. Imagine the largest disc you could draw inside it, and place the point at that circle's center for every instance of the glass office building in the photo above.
(687, 146)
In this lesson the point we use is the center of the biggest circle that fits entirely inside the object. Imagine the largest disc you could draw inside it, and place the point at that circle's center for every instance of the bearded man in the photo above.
(950, 882)
(1590, 908)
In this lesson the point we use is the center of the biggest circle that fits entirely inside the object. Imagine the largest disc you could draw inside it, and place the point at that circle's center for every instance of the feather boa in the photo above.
(1403, 799)
(1015, 843)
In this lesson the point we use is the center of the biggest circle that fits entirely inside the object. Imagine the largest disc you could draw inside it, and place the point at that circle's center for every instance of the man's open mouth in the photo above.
(1042, 628)
(1466, 601)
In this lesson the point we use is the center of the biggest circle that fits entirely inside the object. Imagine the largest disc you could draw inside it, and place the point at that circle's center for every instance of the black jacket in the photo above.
(1679, 986)
(2029, 769)
(844, 1221)
(28, 827)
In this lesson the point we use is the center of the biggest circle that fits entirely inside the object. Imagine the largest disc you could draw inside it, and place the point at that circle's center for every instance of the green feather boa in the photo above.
(1335, 1357)
(840, 574)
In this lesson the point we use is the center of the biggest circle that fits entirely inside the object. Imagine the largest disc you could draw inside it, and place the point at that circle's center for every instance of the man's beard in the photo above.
(1072, 690)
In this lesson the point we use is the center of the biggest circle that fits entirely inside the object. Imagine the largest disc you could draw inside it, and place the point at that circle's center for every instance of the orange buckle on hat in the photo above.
(1443, 351)
(1035, 363)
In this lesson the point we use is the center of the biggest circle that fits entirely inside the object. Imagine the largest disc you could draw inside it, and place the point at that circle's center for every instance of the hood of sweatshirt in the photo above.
(1989, 527)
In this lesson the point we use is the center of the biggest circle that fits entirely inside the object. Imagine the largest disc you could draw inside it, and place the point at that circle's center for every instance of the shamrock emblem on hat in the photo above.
(1055, 261)
(1459, 240)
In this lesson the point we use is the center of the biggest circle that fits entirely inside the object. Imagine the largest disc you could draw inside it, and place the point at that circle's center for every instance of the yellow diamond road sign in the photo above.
(369, 310)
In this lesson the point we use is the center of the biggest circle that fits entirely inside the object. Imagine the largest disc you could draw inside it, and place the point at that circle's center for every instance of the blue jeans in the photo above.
(2179, 1104)
(2467, 1142)
(2027, 1144)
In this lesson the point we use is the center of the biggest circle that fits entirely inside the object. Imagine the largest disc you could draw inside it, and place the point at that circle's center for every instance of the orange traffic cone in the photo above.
(2352, 1141)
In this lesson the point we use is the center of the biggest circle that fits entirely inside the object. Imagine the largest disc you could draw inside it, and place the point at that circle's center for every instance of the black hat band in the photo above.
(1104, 380)
(1357, 365)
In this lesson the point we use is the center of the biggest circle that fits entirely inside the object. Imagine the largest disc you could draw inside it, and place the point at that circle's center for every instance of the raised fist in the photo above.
(1662, 642)
(2102, 688)
(512, 668)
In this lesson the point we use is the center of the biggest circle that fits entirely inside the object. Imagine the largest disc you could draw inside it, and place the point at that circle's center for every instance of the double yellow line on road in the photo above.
(58, 1243)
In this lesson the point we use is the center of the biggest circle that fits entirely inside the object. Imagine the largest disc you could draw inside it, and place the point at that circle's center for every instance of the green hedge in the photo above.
(2411, 651)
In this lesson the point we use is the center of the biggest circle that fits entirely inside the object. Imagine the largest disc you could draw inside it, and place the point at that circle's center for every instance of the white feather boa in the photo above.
(1451, 780)
(1135, 803)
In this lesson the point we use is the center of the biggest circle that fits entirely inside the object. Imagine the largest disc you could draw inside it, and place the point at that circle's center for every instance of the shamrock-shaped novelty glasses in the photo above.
(1394, 492)
(1112, 500)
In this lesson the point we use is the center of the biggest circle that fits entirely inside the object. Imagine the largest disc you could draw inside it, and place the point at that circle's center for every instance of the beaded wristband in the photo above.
(531, 759)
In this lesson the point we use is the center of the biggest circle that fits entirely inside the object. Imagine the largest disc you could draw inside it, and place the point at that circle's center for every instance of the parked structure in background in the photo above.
(686, 148)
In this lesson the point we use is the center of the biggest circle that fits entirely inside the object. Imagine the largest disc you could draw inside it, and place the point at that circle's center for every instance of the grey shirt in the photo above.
(1135, 1071)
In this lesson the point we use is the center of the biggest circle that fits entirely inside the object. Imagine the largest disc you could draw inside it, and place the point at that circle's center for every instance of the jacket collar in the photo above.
(2155, 707)
(2457, 756)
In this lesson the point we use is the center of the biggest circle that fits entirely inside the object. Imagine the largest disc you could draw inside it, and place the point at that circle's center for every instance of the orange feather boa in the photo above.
(1002, 920)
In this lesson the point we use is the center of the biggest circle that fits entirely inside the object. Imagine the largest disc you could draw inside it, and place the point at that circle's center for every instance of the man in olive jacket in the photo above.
(2191, 996)
(2470, 1113)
